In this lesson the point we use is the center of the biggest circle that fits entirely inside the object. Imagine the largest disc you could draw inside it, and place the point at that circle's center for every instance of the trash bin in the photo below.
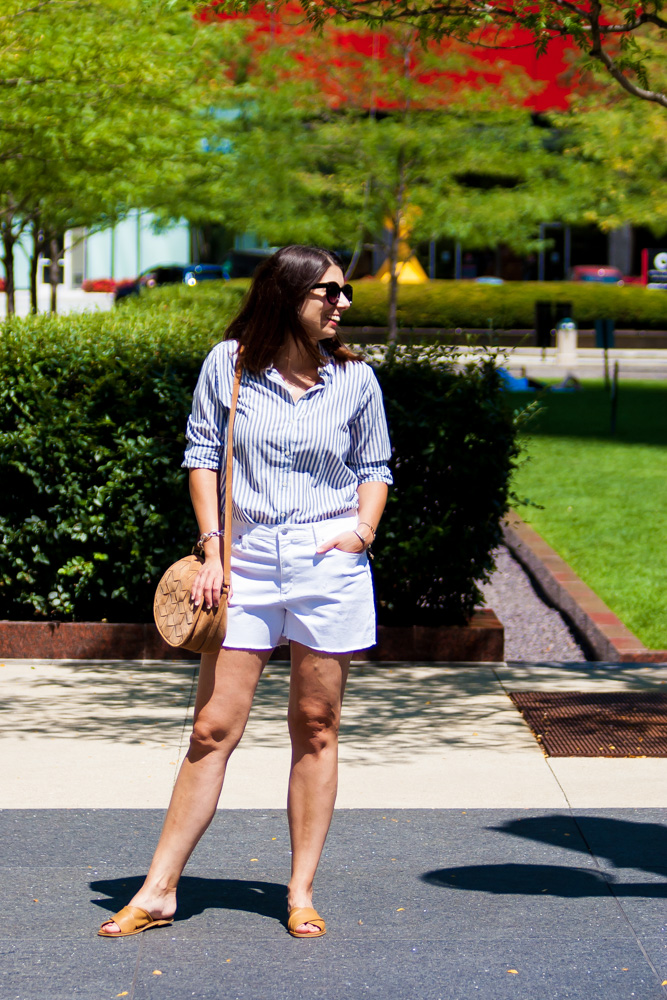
(604, 333)
(566, 341)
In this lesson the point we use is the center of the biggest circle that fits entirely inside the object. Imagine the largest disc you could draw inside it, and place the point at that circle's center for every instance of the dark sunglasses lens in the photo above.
(333, 292)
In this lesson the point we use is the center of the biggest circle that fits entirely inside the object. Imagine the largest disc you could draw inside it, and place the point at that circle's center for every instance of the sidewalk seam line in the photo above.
(140, 954)
(608, 883)
(185, 727)
(546, 759)
(617, 900)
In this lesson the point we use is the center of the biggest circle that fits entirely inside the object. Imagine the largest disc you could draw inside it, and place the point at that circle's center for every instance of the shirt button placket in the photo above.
(285, 562)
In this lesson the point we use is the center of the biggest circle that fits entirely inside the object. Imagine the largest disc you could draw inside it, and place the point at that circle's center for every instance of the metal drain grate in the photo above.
(584, 724)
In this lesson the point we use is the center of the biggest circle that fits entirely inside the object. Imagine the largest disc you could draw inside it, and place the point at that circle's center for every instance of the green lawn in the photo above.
(604, 496)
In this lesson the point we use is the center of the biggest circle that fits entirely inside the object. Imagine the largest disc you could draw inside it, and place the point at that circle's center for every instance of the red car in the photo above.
(604, 275)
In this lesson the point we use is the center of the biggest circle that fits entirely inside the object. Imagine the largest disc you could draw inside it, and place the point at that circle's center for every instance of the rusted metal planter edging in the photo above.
(479, 641)
(606, 635)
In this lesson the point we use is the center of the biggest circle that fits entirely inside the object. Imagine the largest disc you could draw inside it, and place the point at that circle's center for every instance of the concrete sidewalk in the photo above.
(461, 861)
(588, 363)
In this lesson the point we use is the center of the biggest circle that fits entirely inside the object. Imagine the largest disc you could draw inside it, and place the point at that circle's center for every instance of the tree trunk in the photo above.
(397, 221)
(8, 241)
(392, 325)
(54, 273)
(37, 247)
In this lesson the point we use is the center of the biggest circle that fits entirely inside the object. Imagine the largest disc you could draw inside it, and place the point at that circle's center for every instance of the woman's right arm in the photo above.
(205, 496)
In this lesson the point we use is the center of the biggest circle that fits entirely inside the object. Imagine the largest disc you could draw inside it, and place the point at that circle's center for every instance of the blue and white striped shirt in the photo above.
(293, 462)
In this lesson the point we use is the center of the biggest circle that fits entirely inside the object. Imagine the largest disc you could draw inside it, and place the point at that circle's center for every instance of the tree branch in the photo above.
(38, 7)
(16, 81)
(598, 52)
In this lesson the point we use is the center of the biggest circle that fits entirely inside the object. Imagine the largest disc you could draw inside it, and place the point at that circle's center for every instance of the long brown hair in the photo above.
(270, 310)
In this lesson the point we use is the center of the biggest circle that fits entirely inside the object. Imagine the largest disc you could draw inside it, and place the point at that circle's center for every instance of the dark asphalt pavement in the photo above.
(433, 904)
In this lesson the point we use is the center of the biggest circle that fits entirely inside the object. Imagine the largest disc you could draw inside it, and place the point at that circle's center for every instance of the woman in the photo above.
(309, 487)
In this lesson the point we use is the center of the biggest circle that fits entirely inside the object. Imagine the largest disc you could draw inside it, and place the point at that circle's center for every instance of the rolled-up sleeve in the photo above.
(370, 448)
(207, 422)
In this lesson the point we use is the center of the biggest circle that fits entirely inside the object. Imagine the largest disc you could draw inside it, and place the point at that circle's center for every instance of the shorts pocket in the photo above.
(350, 556)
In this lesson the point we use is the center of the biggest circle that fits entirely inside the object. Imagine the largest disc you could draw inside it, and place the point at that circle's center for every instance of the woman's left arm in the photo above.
(372, 500)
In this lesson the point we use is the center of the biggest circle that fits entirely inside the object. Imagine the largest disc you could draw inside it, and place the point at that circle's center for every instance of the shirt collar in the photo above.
(325, 370)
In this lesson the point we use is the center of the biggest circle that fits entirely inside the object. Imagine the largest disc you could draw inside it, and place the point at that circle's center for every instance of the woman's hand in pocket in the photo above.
(348, 541)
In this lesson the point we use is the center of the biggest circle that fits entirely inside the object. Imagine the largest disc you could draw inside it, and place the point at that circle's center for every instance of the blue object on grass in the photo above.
(513, 384)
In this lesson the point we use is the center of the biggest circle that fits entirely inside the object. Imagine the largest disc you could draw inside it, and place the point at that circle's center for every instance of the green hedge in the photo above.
(207, 306)
(448, 305)
(95, 506)
(454, 440)
(91, 429)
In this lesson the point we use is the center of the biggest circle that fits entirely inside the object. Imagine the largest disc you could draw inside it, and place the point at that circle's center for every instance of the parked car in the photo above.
(172, 274)
(244, 263)
(602, 274)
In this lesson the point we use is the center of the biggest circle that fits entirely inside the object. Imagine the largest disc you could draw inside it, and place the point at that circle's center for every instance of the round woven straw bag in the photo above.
(178, 622)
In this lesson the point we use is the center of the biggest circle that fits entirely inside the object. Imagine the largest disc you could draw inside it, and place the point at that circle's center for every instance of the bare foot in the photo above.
(302, 900)
(160, 906)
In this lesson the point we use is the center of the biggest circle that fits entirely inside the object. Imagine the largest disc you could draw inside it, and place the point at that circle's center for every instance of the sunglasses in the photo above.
(333, 291)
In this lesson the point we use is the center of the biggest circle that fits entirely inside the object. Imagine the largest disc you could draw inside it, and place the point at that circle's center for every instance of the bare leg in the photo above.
(227, 683)
(316, 696)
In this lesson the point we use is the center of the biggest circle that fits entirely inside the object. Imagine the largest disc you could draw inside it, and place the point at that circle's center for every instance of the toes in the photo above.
(110, 927)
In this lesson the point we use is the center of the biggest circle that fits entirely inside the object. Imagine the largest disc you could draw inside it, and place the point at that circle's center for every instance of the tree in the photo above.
(619, 35)
(415, 140)
(101, 103)
(313, 146)
(624, 146)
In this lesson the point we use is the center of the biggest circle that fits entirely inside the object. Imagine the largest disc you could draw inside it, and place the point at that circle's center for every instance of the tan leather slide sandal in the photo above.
(305, 915)
(132, 920)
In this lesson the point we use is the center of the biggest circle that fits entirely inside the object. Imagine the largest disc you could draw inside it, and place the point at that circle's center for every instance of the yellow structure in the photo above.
(410, 271)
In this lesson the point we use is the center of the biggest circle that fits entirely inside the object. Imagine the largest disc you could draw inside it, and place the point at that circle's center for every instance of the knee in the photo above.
(314, 722)
(208, 737)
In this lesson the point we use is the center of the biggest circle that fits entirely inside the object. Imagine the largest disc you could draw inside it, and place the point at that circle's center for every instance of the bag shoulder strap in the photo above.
(227, 524)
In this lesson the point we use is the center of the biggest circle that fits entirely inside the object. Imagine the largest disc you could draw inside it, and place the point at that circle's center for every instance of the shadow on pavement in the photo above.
(128, 703)
(196, 894)
(420, 705)
(534, 880)
(623, 843)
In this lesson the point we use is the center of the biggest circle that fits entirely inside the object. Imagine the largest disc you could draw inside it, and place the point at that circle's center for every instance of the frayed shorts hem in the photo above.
(314, 649)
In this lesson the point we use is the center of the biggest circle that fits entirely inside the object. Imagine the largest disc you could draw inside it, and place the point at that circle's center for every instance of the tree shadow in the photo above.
(197, 894)
(624, 843)
(536, 880)
(130, 702)
(438, 706)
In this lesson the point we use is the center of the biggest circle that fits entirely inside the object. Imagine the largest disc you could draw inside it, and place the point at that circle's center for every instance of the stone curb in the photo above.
(602, 630)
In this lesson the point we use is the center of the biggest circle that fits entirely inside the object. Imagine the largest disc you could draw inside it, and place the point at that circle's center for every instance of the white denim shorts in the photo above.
(284, 589)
